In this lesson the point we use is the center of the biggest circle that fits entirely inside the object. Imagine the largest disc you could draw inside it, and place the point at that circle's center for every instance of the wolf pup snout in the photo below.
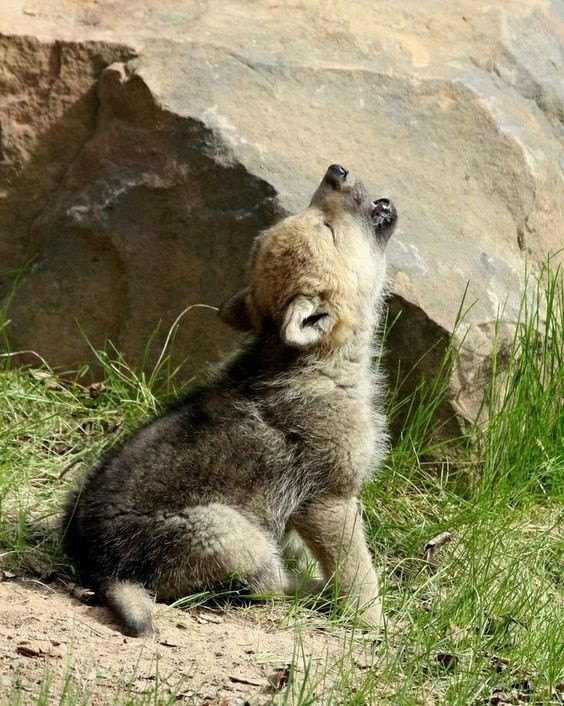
(277, 442)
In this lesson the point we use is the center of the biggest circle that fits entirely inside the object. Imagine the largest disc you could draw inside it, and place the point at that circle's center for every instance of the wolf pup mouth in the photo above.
(384, 216)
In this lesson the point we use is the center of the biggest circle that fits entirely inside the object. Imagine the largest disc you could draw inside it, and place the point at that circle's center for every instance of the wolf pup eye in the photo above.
(328, 225)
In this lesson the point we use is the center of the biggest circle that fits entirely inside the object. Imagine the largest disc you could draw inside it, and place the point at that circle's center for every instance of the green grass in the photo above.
(483, 623)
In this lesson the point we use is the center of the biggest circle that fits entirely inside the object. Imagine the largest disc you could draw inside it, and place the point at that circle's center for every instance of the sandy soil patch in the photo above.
(228, 656)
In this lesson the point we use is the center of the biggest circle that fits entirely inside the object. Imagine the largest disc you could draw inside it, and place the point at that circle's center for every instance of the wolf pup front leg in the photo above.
(332, 529)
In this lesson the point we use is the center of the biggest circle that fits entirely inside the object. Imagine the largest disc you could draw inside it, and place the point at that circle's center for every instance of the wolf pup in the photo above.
(280, 440)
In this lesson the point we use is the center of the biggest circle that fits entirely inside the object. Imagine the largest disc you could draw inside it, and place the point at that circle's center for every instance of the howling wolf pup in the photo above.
(278, 441)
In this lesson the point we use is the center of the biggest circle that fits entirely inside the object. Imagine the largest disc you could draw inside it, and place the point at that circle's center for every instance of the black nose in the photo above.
(338, 172)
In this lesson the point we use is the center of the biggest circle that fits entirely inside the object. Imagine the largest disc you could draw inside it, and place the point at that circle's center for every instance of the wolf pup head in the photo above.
(316, 277)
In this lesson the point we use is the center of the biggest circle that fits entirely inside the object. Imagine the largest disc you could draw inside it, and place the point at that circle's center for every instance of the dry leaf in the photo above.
(95, 389)
(114, 425)
(431, 549)
(458, 634)
(85, 595)
(209, 617)
(447, 660)
(38, 648)
(50, 381)
(167, 643)
(280, 677)
(244, 680)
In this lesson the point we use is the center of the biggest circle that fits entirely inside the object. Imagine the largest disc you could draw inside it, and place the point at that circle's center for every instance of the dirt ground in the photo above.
(229, 656)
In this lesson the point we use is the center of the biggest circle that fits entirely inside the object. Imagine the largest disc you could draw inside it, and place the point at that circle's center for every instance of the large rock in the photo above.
(211, 121)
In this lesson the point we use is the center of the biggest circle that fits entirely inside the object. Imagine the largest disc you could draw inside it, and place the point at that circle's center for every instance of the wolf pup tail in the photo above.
(131, 605)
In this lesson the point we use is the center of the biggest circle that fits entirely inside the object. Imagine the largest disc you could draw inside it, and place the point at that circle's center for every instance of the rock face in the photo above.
(144, 144)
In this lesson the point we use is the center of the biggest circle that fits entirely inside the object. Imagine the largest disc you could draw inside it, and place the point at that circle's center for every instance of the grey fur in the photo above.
(131, 604)
(278, 441)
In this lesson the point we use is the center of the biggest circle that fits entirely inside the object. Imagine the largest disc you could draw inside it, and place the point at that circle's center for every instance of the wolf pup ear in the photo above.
(235, 311)
(306, 322)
